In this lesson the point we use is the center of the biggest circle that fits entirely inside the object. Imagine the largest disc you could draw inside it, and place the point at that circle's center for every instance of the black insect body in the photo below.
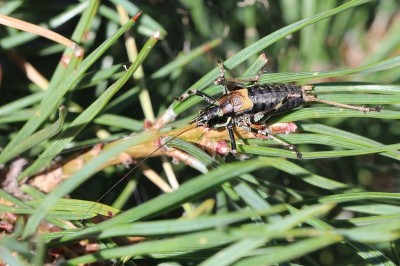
(249, 107)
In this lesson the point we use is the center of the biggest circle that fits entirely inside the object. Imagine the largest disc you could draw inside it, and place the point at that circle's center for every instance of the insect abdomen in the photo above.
(280, 98)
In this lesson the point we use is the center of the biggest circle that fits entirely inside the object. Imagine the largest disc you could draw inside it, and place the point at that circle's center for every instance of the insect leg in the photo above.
(206, 97)
(222, 80)
(271, 136)
(231, 84)
(286, 145)
(312, 98)
(229, 127)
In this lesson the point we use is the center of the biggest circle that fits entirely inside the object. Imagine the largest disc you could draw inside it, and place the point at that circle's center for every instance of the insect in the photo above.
(246, 106)
(251, 106)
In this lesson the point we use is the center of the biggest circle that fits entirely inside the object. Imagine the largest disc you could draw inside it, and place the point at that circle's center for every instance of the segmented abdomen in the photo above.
(267, 97)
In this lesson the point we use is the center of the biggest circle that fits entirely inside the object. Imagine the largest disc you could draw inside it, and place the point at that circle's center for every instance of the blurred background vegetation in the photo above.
(194, 36)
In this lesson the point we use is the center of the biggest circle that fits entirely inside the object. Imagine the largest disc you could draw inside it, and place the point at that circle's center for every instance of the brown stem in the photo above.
(150, 147)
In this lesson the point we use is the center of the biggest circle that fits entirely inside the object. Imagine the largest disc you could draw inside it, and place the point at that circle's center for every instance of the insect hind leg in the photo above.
(265, 132)
(286, 145)
(231, 84)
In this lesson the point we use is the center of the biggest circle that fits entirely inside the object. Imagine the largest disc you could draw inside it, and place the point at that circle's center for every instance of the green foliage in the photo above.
(337, 206)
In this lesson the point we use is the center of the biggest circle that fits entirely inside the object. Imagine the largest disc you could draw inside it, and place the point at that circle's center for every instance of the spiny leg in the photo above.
(312, 98)
(222, 80)
(270, 136)
(191, 92)
(229, 127)
(286, 145)
(221, 70)
(232, 83)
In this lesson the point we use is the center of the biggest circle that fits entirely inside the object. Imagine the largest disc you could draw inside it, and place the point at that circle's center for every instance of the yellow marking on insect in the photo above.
(247, 103)
(240, 100)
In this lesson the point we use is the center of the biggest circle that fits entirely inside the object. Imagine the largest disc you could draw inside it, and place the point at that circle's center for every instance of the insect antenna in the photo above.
(134, 168)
